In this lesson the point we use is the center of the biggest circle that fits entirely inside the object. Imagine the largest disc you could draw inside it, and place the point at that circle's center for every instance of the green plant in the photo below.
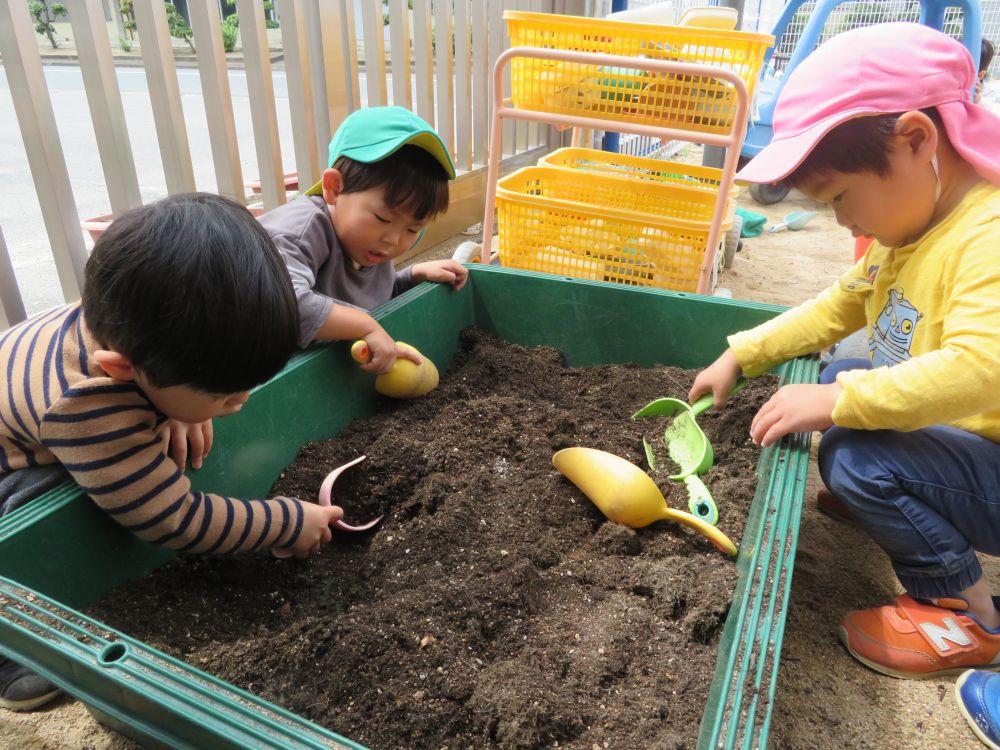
(124, 44)
(230, 29)
(128, 19)
(268, 22)
(44, 16)
(178, 26)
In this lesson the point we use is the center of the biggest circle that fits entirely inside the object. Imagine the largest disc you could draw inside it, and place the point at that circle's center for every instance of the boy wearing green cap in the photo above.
(387, 179)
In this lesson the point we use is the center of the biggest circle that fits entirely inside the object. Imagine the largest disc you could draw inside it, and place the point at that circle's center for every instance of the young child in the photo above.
(387, 179)
(186, 307)
(878, 123)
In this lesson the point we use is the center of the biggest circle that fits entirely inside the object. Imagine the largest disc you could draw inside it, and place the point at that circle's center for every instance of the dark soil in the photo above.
(494, 606)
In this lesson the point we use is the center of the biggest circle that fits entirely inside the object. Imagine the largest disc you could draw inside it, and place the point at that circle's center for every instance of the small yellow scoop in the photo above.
(626, 494)
(406, 379)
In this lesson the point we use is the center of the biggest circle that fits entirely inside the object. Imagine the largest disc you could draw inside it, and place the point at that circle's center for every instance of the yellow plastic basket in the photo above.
(687, 176)
(700, 103)
(603, 227)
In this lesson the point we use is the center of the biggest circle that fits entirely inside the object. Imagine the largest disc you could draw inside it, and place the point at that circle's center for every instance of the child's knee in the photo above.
(846, 457)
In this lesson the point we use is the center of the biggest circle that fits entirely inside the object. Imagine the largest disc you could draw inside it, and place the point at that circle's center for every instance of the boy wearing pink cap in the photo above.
(878, 123)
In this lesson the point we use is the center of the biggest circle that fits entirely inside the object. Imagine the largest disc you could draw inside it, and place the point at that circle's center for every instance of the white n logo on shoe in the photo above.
(940, 637)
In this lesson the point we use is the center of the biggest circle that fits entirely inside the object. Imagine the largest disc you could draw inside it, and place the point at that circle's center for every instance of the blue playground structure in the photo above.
(806, 24)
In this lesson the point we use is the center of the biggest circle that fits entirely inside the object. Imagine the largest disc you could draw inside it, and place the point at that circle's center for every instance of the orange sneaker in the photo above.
(919, 640)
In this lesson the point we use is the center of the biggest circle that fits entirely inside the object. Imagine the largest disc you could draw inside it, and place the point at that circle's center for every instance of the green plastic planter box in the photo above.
(60, 551)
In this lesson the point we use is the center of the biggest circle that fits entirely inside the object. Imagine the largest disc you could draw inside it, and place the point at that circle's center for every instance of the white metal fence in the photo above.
(448, 84)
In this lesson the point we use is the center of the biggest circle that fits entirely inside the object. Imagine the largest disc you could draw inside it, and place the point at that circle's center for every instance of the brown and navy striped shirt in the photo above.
(58, 406)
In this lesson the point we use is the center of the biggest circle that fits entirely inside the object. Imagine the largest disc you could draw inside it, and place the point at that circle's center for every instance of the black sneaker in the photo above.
(21, 689)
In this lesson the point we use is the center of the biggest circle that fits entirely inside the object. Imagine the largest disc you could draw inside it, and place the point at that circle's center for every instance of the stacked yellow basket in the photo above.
(611, 217)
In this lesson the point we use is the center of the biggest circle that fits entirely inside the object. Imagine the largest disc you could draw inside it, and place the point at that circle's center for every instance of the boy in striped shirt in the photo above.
(187, 305)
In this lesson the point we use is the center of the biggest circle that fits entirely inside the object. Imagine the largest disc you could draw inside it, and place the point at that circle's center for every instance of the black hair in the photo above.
(193, 291)
(986, 54)
(861, 144)
(413, 180)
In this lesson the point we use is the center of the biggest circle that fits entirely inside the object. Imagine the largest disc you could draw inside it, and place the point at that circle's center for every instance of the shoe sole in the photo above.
(890, 672)
(29, 703)
(968, 717)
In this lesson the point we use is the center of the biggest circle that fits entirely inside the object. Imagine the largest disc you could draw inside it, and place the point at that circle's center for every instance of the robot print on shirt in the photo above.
(892, 334)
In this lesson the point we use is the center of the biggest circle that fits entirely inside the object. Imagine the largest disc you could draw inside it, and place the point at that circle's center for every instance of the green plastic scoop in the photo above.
(688, 446)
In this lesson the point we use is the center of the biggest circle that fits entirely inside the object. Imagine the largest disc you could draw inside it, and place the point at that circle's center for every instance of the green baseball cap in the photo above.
(370, 135)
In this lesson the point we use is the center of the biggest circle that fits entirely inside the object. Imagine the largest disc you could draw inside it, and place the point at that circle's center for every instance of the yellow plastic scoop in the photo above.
(406, 379)
(625, 493)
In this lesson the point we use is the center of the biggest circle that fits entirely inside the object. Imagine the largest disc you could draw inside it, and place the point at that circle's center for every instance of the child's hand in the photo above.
(795, 408)
(382, 351)
(316, 523)
(175, 437)
(442, 271)
(718, 378)
(405, 351)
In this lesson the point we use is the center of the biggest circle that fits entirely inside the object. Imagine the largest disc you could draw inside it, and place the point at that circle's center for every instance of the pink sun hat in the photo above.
(874, 70)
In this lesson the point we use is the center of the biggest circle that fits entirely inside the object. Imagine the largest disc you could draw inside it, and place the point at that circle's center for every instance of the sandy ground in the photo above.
(824, 698)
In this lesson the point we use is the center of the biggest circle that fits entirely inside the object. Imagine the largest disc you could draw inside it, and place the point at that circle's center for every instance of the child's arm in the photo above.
(303, 260)
(441, 271)
(105, 435)
(346, 323)
(719, 379)
(835, 313)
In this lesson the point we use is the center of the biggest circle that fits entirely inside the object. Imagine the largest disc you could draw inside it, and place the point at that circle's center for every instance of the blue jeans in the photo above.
(930, 498)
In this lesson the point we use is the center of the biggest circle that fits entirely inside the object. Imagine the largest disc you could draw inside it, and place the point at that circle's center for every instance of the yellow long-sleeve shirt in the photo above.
(932, 311)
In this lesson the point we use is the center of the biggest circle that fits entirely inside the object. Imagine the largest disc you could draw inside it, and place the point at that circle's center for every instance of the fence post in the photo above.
(338, 63)
(300, 91)
(253, 34)
(101, 82)
(371, 23)
(423, 58)
(164, 94)
(463, 86)
(399, 56)
(33, 107)
(11, 304)
(446, 82)
(214, 75)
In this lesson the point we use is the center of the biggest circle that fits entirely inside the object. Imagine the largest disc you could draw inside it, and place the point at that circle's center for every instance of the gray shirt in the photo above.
(322, 273)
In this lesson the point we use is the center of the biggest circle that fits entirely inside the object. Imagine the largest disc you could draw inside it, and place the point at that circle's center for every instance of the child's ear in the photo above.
(117, 366)
(333, 185)
(919, 133)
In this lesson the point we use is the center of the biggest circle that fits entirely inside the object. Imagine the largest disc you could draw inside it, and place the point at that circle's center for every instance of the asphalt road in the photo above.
(20, 210)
